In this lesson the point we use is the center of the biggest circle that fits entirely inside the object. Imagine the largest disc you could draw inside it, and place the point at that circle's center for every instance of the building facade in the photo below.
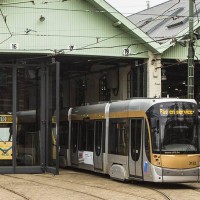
(59, 54)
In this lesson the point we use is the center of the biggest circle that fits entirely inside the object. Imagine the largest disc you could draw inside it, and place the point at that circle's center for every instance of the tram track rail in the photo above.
(161, 193)
(157, 188)
(107, 189)
(53, 186)
(164, 195)
(86, 185)
(14, 192)
(176, 186)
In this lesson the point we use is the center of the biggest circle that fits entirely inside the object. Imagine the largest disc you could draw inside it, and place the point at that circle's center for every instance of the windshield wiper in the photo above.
(189, 146)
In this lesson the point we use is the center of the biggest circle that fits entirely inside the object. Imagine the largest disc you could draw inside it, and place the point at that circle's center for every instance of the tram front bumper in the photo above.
(175, 175)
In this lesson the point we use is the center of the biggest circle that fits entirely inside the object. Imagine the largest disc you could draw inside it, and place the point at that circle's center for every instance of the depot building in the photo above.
(57, 55)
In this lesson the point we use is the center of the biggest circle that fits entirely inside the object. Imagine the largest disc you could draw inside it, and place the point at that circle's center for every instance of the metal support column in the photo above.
(190, 88)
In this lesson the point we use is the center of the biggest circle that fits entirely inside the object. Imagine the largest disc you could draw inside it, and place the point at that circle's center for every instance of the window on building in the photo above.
(104, 91)
(137, 80)
(80, 92)
(129, 85)
(6, 89)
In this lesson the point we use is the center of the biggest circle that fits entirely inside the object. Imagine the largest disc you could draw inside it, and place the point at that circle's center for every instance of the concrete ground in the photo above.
(76, 184)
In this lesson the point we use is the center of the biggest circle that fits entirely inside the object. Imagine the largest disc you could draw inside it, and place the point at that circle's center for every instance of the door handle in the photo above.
(135, 151)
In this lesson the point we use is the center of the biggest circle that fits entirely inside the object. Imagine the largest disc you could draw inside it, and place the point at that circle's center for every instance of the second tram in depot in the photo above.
(154, 140)
(5, 139)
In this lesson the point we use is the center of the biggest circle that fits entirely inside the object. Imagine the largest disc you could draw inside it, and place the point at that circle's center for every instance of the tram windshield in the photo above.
(174, 128)
(5, 133)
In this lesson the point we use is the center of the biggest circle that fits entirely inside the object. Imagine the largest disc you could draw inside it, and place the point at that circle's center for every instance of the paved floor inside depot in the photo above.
(76, 184)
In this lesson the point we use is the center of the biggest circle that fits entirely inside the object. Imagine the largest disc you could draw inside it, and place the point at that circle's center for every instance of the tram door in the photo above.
(135, 147)
(98, 138)
(74, 143)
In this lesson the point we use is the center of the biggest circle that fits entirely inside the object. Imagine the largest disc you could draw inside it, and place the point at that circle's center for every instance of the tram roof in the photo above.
(143, 103)
(133, 104)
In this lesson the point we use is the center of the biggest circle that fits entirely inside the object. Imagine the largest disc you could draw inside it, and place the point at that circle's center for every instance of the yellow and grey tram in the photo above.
(153, 140)
(5, 139)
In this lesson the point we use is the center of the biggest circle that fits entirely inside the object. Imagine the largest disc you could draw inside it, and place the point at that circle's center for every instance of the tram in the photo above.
(5, 139)
(154, 140)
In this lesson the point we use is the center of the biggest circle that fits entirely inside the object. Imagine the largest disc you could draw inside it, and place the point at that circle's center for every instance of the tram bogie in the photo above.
(153, 140)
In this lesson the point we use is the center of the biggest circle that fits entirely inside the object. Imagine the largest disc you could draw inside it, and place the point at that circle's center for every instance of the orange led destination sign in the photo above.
(5, 119)
(176, 112)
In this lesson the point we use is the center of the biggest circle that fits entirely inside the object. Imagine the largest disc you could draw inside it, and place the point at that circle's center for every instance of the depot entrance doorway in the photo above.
(29, 116)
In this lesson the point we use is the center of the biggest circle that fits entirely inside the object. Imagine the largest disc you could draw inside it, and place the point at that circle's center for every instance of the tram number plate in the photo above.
(3, 119)
(192, 163)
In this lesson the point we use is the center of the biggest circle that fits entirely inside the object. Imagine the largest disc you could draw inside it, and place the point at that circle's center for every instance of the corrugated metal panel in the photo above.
(169, 19)
(76, 23)
(176, 52)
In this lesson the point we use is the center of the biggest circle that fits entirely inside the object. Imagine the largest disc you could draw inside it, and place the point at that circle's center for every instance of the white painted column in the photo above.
(123, 82)
(154, 76)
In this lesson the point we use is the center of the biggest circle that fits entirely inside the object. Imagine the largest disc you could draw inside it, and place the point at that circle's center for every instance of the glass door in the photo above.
(37, 117)
(50, 116)
(27, 138)
(29, 116)
(6, 136)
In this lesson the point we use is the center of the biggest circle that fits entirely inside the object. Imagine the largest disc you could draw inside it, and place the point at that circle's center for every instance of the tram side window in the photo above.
(136, 131)
(118, 143)
(82, 137)
(90, 137)
(64, 134)
(99, 137)
(86, 137)
(74, 132)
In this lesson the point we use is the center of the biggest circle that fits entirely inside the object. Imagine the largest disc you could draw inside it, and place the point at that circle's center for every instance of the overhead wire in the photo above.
(70, 36)
(62, 51)
(103, 39)
(82, 10)
(90, 10)
(123, 45)
(86, 46)
(112, 58)
(5, 39)
(21, 2)
(4, 19)
(97, 11)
